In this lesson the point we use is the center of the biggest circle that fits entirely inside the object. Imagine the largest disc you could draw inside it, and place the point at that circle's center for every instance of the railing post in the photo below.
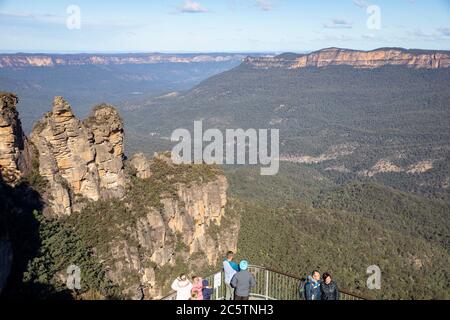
(267, 284)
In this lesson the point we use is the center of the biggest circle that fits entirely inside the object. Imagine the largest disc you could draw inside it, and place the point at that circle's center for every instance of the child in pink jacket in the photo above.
(197, 287)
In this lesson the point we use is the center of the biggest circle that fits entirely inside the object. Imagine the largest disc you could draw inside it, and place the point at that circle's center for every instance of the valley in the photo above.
(364, 172)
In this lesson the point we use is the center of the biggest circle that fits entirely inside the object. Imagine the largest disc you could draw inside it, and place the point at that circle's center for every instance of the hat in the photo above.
(243, 265)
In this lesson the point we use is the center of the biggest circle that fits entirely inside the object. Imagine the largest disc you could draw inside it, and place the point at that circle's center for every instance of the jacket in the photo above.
(183, 289)
(242, 282)
(207, 292)
(329, 291)
(229, 267)
(198, 288)
(312, 289)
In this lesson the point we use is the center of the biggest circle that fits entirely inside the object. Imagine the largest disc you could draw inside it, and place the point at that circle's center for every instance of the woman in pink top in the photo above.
(197, 287)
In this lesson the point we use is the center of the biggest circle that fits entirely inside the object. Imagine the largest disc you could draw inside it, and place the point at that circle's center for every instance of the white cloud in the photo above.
(338, 24)
(190, 6)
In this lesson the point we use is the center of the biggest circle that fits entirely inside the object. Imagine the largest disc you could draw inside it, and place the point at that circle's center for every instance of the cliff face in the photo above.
(190, 226)
(358, 59)
(44, 60)
(143, 219)
(80, 159)
(15, 156)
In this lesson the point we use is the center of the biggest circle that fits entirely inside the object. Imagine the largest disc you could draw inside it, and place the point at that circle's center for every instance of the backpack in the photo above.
(302, 289)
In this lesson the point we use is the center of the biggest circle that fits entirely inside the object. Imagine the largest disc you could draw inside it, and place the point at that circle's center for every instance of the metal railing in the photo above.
(270, 285)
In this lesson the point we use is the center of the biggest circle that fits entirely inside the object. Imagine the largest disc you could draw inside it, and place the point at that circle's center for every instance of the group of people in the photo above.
(318, 287)
(198, 289)
(238, 280)
(239, 283)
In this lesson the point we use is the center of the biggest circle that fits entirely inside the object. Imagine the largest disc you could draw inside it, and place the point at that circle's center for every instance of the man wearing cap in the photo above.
(243, 282)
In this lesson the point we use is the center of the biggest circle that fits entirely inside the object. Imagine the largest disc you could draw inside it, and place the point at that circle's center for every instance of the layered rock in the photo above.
(47, 61)
(142, 166)
(418, 59)
(15, 154)
(180, 220)
(190, 226)
(79, 159)
(107, 128)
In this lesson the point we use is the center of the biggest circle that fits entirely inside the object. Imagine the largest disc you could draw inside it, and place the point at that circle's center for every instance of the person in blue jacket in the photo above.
(313, 287)
(207, 290)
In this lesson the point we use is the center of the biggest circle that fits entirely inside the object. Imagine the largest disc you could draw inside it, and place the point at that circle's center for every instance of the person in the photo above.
(329, 288)
(197, 287)
(230, 268)
(312, 287)
(243, 282)
(183, 287)
(207, 290)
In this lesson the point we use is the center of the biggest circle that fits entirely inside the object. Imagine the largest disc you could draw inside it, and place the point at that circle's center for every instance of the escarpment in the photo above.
(15, 152)
(175, 221)
(417, 59)
(80, 159)
(143, 220)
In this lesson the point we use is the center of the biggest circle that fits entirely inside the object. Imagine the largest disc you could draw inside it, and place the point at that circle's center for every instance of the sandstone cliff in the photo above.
(145, 220)
(15, 154)
(80, 159)
(46, 60)
(359, 59)
(186, 228)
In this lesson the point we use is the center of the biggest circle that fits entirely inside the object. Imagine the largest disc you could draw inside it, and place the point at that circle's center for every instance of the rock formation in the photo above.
(191, 223)
(162, 216)
(15, 154)
(107, 127)
(418, 59)
(80, 159)
(142, 166)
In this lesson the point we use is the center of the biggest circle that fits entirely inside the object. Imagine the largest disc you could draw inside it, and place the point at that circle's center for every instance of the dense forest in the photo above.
(299, 221)
(365, 174)
(343, 117)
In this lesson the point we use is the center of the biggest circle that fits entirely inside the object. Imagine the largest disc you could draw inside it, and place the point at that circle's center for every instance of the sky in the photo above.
(221, 25)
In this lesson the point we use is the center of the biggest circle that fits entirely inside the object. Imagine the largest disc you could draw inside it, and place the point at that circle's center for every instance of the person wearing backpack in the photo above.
(313, 287)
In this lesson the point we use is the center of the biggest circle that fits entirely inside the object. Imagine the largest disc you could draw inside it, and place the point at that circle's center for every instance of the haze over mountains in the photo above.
(87, 79)
(52, 60)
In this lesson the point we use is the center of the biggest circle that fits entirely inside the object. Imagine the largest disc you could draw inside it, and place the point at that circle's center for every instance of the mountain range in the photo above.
(89, 79)
(364, 177)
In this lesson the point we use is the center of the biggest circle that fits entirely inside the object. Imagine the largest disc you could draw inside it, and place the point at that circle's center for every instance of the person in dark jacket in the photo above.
(312, 287)
(330, 290)
(207, 290)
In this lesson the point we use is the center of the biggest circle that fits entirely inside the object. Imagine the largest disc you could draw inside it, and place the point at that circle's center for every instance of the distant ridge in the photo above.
(413, 58)
(22, 60)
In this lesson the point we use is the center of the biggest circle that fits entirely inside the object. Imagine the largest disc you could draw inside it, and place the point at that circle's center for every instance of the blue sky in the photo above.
(222, 25)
